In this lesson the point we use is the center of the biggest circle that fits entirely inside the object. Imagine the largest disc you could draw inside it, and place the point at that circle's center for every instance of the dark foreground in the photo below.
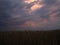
(30, 38)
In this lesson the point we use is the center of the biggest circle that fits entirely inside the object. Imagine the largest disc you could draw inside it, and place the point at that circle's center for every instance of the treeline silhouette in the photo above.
(30, 37)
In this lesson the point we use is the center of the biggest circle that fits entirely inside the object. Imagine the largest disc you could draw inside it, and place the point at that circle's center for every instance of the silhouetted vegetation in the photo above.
(30, 38)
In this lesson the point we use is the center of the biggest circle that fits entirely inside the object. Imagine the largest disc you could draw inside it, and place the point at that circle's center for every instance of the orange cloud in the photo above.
(29, 1)
(36, 6)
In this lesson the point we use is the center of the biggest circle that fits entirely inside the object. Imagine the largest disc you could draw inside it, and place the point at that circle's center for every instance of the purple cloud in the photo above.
(36, 15)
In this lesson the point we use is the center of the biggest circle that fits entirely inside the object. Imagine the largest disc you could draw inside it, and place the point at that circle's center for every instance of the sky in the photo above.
(34, 15)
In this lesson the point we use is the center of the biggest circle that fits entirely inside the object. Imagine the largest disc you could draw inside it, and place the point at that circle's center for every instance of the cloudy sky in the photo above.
(29, 15)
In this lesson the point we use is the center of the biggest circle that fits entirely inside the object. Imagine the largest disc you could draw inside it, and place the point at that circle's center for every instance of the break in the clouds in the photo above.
(29, 15)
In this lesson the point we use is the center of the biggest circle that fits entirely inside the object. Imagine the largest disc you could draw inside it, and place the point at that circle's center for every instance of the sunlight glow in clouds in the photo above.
(33, 6)
(36, 6)
(29, 1)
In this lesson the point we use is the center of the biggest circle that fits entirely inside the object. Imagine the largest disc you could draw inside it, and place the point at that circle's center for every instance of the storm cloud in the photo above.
(29, 15)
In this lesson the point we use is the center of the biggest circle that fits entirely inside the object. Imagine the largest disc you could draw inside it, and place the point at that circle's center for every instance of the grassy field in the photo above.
(30, 38)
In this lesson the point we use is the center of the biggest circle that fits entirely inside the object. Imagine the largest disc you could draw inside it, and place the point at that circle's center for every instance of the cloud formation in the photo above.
(29, 15)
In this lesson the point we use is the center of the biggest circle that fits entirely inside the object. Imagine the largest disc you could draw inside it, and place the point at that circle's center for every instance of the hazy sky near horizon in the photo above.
(29, 15)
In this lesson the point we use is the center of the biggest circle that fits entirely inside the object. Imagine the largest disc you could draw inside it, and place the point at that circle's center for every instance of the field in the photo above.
(30, 37)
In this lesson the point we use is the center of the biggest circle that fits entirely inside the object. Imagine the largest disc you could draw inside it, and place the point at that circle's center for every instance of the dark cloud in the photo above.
(16, 15)
(50, 2)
